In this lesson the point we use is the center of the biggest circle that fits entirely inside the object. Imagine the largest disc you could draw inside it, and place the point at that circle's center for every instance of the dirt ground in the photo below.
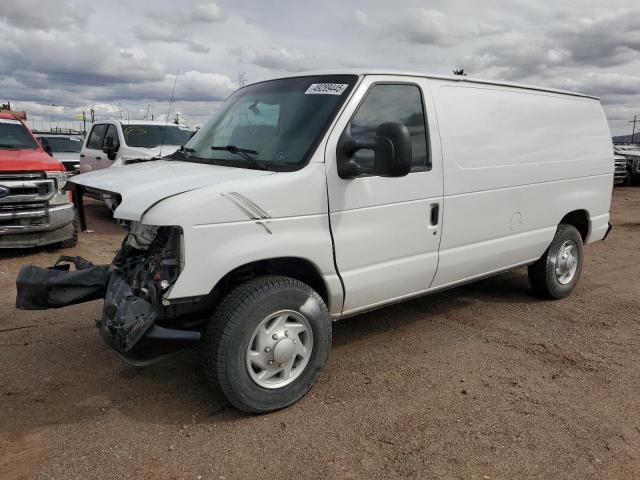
(484, 381)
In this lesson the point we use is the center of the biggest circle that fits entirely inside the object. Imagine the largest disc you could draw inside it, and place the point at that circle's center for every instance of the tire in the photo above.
(545, 279)
(240, 330)
(73, 241)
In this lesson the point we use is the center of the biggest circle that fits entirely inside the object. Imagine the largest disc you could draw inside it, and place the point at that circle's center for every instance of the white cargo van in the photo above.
(315, 197)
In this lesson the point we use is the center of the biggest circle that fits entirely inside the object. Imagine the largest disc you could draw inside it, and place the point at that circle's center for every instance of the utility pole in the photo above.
(633, 130)
(241, 80)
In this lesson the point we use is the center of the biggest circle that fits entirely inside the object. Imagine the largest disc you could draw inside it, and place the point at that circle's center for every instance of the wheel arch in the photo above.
(581, 220)
(299, 268)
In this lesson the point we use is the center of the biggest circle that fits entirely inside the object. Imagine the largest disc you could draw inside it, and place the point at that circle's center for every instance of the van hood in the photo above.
(142, 185)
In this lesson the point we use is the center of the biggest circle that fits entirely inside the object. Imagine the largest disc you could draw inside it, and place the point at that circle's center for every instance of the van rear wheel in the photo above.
(267, 343)
(557, 273)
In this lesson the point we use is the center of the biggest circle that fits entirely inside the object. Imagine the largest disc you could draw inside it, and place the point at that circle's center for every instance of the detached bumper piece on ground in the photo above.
(131, 287)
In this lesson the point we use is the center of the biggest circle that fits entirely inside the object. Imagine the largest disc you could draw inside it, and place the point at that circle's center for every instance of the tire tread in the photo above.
(537, 271)
(222, 324)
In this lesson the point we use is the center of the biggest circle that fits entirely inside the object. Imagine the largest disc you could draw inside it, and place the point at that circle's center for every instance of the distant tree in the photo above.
(460, 72)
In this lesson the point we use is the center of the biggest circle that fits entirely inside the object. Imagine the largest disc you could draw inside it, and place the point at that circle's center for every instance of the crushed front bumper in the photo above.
(128, 319)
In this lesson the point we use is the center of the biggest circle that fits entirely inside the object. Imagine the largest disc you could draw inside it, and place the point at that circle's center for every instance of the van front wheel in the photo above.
(267, 343)
(556, 274)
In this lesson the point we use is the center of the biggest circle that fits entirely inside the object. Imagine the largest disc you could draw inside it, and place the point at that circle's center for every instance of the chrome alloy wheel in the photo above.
(279, 349)
(566, 262)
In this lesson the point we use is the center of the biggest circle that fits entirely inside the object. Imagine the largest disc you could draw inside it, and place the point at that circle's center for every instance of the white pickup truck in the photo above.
(319, 196)
(114, 143)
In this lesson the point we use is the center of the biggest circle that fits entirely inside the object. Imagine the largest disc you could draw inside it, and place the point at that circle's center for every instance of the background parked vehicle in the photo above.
(117, 143)
(63, 147)
(620, 174)
(33, 209)
(632, 155)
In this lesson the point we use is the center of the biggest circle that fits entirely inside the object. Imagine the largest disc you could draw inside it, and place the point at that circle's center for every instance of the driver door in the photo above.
(92, 157)
(386, 230)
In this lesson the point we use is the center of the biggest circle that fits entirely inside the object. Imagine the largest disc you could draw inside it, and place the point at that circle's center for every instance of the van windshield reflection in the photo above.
(270, 125)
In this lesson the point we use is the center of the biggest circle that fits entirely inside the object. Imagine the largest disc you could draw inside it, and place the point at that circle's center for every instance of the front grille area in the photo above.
(26, 203)
(20, 175)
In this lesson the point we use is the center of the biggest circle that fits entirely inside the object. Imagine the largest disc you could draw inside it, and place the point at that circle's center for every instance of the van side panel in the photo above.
(515, 163)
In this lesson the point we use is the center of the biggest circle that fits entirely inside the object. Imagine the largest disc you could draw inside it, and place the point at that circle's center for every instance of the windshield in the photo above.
(274, 124)
(150, 136)
(14, 135)
(63, 144)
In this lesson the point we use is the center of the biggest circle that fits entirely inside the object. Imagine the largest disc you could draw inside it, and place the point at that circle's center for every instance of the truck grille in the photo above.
(24, 200)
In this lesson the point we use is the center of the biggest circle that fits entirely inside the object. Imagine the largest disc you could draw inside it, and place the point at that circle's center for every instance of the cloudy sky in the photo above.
(120, 57)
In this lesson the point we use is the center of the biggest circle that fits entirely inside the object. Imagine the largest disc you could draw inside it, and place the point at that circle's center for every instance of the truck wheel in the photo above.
(267, 343)
(556, 274)
(73, 241)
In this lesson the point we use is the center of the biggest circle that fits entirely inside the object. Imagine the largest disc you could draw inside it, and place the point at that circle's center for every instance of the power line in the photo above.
(633, 130)
(241, 80)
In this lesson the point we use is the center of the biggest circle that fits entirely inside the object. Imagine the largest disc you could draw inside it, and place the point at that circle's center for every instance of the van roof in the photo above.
(453, 78)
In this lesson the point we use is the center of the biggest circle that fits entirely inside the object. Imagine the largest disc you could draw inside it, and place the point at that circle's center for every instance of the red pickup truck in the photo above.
(33, 208)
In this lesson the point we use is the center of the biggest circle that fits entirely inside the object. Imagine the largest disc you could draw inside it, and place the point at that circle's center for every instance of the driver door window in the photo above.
(112, 132)
(391, 103)
(97, 136)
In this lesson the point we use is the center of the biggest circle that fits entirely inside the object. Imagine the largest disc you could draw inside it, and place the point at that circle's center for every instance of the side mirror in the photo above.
(108, 148)
(48, 149)
(391, 146)
(393, 150)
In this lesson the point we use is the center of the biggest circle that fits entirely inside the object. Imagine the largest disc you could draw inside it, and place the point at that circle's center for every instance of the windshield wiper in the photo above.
(244, 153)
(7, 145)
(183, 153)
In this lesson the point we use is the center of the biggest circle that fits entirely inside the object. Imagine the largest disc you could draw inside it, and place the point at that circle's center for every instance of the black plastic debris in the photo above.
(126, 316)
(59, 286)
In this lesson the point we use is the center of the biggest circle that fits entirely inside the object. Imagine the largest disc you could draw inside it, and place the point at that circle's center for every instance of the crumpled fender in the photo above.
(59, 286)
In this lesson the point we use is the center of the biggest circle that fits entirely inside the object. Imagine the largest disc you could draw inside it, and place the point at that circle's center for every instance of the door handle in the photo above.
(435, 214)
(82, 155)
(98, 158)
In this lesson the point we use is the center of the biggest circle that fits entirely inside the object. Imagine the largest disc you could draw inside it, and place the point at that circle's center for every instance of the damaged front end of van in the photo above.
(135, 321)
(140, 320)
